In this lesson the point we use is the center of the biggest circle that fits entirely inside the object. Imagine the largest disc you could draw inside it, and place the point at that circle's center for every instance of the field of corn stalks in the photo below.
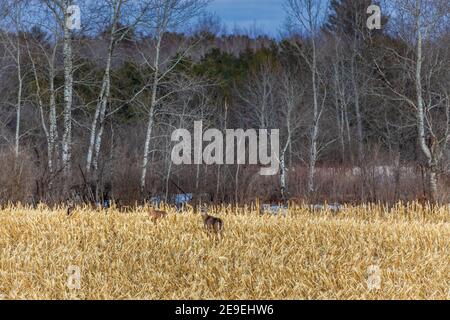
(364, 252)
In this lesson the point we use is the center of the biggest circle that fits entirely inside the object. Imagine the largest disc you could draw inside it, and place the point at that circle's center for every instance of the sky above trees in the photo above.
(266, 15)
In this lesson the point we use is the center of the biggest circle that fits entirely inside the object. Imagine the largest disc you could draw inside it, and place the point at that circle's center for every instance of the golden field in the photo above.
(303, 255)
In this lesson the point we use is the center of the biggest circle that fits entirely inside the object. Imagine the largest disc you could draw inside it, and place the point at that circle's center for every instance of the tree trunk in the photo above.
(283, 176)
(53, 127)
(360, 135)
(68, 92)
(312, 160)
(433, 184)
(41, 112)
(100, 111)
(151, 115)
(339, 109)
(236, 186)
(169, 171)
(283, 187)
(19, 105)
(315, 127)
(98, 141)
(427, 151)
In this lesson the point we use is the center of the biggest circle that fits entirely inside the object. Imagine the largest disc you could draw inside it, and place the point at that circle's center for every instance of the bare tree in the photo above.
(62, 16)
(427, 66)
(341, 99)
(291, 95)
(165, 15)
(307, 16)
(119, 28)
(258, 96)
(42, 57)
(13, 44)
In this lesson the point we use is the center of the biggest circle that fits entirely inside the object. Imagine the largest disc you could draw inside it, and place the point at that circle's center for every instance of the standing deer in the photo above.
(70, 210)
(212, 224)
(156, 215)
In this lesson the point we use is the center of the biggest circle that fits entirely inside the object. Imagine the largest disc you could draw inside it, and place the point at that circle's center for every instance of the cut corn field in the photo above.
(364, 252)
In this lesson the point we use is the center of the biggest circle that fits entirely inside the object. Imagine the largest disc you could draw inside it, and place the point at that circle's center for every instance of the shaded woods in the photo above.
(363, 115)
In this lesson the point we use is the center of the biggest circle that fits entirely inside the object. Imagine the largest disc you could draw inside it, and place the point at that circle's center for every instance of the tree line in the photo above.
(364, 115)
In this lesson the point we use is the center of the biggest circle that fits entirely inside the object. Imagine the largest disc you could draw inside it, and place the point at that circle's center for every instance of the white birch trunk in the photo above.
(98, 140)
(68, 96)
(19, 100)
(431, 158)
(151, 114)
(359, 126)
(53, 127)
(283, 176)
(236, 186)
(95, 140)
(99, 116)
(315, 126)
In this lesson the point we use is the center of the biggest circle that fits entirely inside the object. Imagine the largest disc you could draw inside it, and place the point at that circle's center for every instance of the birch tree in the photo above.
(307, 16)
(42, 56)
(119, 28)
(291, 94)
(434, 149)
(100, 110)
(422, 24)
(165, 15)
(341, 100)
(63, 18)
(68, 88)
(49, 50)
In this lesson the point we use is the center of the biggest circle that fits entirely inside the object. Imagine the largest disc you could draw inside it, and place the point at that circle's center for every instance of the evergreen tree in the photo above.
(349, 17)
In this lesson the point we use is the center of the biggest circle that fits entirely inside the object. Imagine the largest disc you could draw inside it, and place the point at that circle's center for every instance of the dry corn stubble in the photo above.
(304, 255)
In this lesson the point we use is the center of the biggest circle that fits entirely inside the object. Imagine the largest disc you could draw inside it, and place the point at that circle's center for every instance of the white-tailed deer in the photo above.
(212, 224)
(70, 210)
(156, 215)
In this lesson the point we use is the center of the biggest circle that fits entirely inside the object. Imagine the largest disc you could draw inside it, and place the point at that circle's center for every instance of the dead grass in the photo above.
(301, 256)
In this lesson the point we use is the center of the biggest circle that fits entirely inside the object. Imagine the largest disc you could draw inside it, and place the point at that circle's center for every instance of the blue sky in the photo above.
(265, 14)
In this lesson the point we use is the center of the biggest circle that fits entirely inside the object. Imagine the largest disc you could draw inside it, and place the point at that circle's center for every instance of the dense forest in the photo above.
(364, 115)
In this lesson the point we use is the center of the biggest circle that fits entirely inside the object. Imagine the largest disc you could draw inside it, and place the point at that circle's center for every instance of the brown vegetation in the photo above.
(302, 255)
